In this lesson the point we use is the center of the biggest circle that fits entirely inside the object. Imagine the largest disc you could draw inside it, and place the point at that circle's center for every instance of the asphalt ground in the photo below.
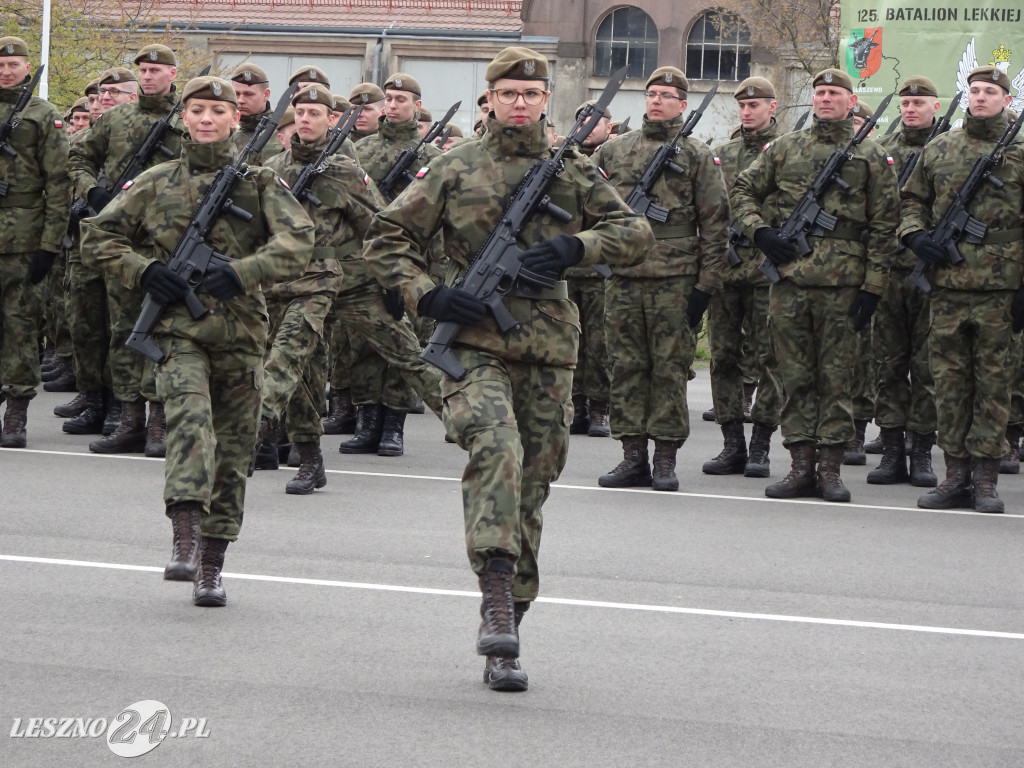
(710, 627)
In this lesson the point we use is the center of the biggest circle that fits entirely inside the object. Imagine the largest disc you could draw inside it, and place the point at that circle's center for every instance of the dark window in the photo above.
(626, 36)
(718, 47)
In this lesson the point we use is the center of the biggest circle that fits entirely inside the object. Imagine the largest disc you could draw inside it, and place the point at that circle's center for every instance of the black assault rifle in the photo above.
(663, 159)
(399, 171)
(13, 121)
(809, 218)
(497, 267)
(956, 221)
(193, 257)
(312, 171)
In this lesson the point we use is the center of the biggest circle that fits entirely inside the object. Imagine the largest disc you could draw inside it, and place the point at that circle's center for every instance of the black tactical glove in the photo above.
(42, 262)
(162, 284)
(775, 249)
(696, 306)
(395, 304)
(450, 305)
(98, 198)
(223, 282)
(554, 255)
(1018, 311)
(924, 247)
(863, 307)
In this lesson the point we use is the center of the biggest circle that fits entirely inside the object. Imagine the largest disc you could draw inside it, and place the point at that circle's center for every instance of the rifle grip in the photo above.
(769, 270)
(195, 306)
(163, 150)
(917, 278)
(441, 357)
(502, 317)
(559, 213)
(674, 168)
(314, 200)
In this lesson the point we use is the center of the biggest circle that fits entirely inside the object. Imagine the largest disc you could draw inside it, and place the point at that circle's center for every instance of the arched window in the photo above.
(626, 36)
(718, 47)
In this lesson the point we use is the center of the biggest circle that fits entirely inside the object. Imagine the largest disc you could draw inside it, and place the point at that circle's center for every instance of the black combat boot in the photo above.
(90, 420)
(156, 432)
(953, 492)
(709, 414)
(800, 480)
(113, 417)
(664, 474)
(311, 474)
(748, 401)
(73, 407)
(854, 454)
(634, 471)
(506, 674)
(392, 434)
(497, 636)
(15, 419)
(921, 474)
(369, 426)
(733, 458)
(1010, 463)
(60, 367)
(599, 426)
(65, 380)
(892, 468)
(209, 592)
(130, 435)
(876, 446)
(265, 456)
(830, 484)
(184, 564)
(985, 476)
(580, 416)
(758, 464)
(294, 459)
(341, 414)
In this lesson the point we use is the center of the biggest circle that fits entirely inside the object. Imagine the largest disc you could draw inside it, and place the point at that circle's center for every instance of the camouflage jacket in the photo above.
(693, 240)
(358, 135)
(862, 249)
(245, 131)
(900, 146)
(377, 153)
(350, 199)
(117, 135)
(997, 263)
(34, 212)
(144, 223)
(736, 155)
(463, 194)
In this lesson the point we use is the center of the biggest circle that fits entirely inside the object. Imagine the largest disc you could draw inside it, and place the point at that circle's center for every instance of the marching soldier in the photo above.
(78, 117)
(252, 87)
(372, 98)
(210, 377)
(34, 207)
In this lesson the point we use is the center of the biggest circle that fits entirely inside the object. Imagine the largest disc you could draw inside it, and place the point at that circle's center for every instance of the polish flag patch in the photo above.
(366, 179)
(888, 160)
(284, 183)
(128, 183)
(422, 172)
(599, 168)
(717, 161)
(58, 123)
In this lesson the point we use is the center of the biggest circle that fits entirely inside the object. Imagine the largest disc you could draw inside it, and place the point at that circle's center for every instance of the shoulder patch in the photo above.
(717, 160)
(128, 184)
(58, 123)
(366, 179)
(765, 147)
(601, 171)
(422, 172)
(284, 183)
(888, 160)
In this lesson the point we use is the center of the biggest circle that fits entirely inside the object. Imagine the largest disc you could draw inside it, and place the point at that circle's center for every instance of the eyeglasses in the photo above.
(652, 95)
(509, 96)
(111, 91)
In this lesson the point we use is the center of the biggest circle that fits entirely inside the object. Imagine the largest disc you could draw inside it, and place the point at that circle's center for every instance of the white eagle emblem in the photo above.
(216, 88)
(529, 66)
(398, 83)
(312, 74)
(828, 78)
(969, 62)
(750, 90)
(152, 55)
(248, 77)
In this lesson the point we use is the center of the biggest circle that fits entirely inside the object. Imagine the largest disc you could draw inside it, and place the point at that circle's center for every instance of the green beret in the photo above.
(93, 86)
(425, 116)
(455, 130)
(13, 46)
(341, 103)
(403, 82)
(366, 93)
(862, 109)
(672, 76)
(833, 77)
(517, 63)
(918, 86)
(607, 111)
(992, 75)
(617, 129)
(155, 54)
(755, 88)
(81, 105)
(314, 94)
(209, 87)
(249, 74)
(481, 99)
(288, 118)
(309, 74)
(117, 75)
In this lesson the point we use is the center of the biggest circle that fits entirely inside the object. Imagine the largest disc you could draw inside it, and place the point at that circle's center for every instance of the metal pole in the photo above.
(44, 51)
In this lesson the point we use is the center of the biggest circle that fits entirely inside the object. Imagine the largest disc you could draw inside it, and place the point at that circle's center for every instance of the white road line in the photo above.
(553, 600)
(594, 488)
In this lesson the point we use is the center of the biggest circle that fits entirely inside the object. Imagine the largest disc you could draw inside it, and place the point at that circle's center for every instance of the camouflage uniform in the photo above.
(33, 216)
(247, 125)
(210, 380)
(512, 409)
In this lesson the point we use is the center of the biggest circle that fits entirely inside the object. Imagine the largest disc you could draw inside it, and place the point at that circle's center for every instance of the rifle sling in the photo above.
(559, 291)
(672, 231)
(841, 232)
(994, 236)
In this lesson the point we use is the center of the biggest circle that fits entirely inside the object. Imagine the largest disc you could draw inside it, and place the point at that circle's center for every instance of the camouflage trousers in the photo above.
(590, 378)
(651, 346)
(738, 320)
(131, 375)
(862, 392)
(212, 404)
(395, 344)
(374, 381)
(974, 360)
(339, 356)
(906, 392)
(89, 327)
(1017, 388)
(289, 384)
(816, 349)
(513, 418)
(56, 293)
(20, 323)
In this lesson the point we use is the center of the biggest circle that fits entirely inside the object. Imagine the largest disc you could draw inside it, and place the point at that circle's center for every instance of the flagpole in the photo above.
(44, 55)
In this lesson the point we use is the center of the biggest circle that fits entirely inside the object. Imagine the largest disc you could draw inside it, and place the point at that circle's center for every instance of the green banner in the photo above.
(886, 41)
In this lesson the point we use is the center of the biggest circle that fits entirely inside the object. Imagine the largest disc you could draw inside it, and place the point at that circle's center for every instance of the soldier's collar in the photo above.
(207, 157)
(762, 136)
(915, 137)
(518, 140)
(661, 130)
(157, 103)
(306, 153)
(399, 131)
(835, 131)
